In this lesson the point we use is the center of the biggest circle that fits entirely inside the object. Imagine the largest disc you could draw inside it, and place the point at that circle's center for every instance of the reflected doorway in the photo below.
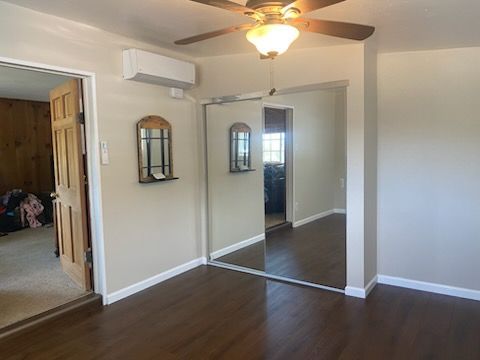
(275, 166)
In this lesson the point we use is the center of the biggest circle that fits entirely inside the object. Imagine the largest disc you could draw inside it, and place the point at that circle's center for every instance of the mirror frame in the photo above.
(153, 122)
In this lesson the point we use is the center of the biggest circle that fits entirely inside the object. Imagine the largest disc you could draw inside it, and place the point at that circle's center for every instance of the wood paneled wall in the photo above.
(25, 146)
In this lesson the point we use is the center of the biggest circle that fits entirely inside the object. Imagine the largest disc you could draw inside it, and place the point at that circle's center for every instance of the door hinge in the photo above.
(81, 118)
(88, 257)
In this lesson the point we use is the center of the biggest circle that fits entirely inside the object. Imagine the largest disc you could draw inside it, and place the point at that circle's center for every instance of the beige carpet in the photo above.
(31, 277)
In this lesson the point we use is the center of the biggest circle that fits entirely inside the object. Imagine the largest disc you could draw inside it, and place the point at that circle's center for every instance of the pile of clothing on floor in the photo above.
(20, 209)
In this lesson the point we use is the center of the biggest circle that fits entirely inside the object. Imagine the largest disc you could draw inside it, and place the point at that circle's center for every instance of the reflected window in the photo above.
(274, 148)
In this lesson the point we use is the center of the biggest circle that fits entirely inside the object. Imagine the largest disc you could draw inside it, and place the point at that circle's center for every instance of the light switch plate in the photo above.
(104, 157)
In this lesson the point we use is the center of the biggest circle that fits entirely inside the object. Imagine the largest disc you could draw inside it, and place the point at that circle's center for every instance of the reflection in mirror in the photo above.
(240, 147)
(274, 156)
(236, 223)
(297, 196)
(154, 149)
(305, 195)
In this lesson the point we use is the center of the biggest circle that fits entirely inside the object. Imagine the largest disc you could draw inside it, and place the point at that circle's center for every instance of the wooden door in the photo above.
(70, 193)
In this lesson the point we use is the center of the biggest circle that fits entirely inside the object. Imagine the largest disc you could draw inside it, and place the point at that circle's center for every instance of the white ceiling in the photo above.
(401, 24)
(27, 85)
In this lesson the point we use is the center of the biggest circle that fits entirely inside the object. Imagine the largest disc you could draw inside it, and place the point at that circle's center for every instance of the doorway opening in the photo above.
(45, 247)
(275, 137)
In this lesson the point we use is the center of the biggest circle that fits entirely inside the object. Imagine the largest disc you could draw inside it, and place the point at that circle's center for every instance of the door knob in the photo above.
(54, 195)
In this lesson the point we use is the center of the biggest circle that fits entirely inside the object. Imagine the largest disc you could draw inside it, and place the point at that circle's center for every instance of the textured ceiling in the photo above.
(401, 24)
(27, 85)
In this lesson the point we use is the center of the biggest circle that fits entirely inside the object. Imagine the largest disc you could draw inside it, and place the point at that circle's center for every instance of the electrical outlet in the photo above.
(342, 183)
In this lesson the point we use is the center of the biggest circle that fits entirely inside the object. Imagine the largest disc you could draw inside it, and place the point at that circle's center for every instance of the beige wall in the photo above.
(429, 146)
(371, 160)
(235, 203)
(155, 227)
(148, 228)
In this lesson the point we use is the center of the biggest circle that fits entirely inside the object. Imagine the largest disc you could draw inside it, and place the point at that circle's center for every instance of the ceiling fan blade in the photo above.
(334, 28)
(231, 6)
(212, 34)
(306, 6)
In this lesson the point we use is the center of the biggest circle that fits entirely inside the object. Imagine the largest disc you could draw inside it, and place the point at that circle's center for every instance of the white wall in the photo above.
(236, 205)
(228, 75)
(148, 228)
(429, 167)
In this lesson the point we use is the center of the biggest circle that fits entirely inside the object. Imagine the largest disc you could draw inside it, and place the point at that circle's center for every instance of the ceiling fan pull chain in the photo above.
(272, 78)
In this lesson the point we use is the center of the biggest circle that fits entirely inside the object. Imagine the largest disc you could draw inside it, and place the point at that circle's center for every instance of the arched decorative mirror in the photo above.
(155, 162)
(240, 138)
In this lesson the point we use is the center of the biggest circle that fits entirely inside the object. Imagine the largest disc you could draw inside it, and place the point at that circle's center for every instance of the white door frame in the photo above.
(93, 160)
(290, 158)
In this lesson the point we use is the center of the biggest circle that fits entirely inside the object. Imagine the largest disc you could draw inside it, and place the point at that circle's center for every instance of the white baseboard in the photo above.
(240, 245)
(371, 285)
(355, 292)
(361, 293)
(430, 287)
(154, 280)
(340, 211)
(313, 218)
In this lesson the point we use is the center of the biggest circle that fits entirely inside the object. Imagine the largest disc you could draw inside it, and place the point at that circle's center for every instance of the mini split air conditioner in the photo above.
(152, 68)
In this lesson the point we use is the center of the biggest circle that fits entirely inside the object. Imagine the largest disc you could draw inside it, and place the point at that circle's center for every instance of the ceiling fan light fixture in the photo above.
(273, 39)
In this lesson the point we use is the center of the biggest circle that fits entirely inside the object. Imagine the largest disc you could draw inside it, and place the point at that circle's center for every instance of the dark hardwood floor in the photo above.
(212, 313)
(314, 252)
(252, 257)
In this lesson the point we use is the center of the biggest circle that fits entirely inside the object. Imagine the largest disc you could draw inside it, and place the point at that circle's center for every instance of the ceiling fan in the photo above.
(277, 24)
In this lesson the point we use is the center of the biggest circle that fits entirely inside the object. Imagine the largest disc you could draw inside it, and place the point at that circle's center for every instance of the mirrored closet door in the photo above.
(277, 186)
(235, 184)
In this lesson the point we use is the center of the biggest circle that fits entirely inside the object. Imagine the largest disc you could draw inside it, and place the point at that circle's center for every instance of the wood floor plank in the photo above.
(213, 313)
(314, 252)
